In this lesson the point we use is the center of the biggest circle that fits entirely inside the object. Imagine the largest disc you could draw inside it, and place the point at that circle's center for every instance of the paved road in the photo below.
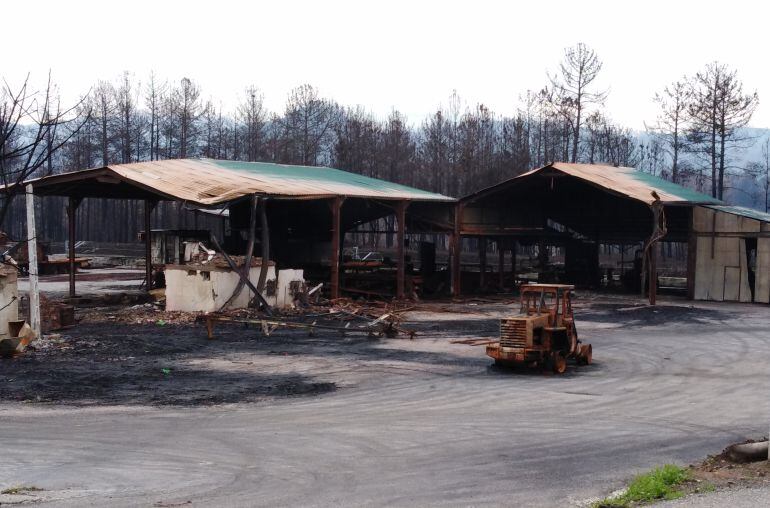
(738, 498)
(442, 429)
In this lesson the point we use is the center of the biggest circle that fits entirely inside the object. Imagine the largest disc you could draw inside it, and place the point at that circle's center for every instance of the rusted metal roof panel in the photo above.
(621, 180)
(209, 182)
(742, 211)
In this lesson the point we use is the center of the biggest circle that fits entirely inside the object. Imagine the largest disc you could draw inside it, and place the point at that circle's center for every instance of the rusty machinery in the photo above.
(543, 333)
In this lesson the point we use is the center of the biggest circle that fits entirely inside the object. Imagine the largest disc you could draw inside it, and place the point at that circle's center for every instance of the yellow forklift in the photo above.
(544, 333)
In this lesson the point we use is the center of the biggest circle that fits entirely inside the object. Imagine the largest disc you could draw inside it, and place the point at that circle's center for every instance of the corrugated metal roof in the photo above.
(209, 182)
(628, 182)
(617, 179)
(742, 211)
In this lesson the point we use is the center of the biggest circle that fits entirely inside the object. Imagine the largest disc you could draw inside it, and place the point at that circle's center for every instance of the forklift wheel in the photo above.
(559, 362)
(586, 355)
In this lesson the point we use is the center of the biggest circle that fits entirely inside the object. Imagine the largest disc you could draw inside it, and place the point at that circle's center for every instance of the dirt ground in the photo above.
(135, 407)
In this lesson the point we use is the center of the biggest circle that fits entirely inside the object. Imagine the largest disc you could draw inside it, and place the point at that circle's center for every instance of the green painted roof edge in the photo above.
(325, 174)
(742, 211)
(682, 192)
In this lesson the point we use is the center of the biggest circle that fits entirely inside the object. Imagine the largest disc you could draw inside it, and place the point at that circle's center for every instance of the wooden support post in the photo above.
(72, 207)
(692, 260)
(653, 266)
(455, 251)
(34, 292)
(501, 262)
(149, 205)
(514, 247)
(401, 258)
(482, 262)
(334, 283)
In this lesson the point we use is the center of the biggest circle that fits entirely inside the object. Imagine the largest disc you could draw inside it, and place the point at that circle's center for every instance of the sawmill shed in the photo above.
(307, 210)
(579, 207)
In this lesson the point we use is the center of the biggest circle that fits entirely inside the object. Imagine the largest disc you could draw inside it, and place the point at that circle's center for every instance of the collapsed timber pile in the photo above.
(340, 315)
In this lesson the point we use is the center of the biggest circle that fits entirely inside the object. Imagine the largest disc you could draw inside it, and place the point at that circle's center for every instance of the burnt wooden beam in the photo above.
(245, 270)
(265, 306)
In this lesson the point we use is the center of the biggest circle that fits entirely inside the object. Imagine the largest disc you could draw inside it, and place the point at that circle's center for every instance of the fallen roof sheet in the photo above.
(621, 180)
(742, 211)
(209, 182)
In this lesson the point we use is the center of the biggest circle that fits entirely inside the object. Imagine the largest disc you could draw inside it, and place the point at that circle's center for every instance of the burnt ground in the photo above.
(136, 407)
(136, 356)
(152, 364)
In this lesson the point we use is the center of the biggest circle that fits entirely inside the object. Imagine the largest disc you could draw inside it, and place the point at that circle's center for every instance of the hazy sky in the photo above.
(408, 55)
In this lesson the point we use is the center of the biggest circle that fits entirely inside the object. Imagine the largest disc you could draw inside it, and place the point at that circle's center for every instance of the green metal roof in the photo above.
(680, 191)
(312, 180)
(742, 211)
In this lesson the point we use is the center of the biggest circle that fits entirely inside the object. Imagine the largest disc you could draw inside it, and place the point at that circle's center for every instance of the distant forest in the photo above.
(694, 141)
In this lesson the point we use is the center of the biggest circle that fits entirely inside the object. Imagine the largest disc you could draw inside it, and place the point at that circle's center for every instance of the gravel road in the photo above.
(415, 423)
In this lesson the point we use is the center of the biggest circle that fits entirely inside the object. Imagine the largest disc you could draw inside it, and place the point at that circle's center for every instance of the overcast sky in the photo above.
(408, 55)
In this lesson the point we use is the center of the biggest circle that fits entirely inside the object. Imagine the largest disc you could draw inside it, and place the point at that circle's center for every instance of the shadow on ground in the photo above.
(645, 315)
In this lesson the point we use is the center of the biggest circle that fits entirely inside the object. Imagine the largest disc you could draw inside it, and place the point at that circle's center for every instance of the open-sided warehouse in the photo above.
(306, 210)
(582, 206)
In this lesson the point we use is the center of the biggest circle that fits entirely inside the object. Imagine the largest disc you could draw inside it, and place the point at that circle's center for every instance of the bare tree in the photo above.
(672, 121)
(126, 105)
(153, 100)
(761, 171)
(104, 107)
(187, 98)
(719, 109)
(252, 113)
(33, 128)
(578, 71)
(308, 124)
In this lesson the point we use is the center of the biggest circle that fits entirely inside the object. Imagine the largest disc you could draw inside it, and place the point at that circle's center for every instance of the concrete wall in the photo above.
(201, 288)
(721, 270)
(9, 300)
